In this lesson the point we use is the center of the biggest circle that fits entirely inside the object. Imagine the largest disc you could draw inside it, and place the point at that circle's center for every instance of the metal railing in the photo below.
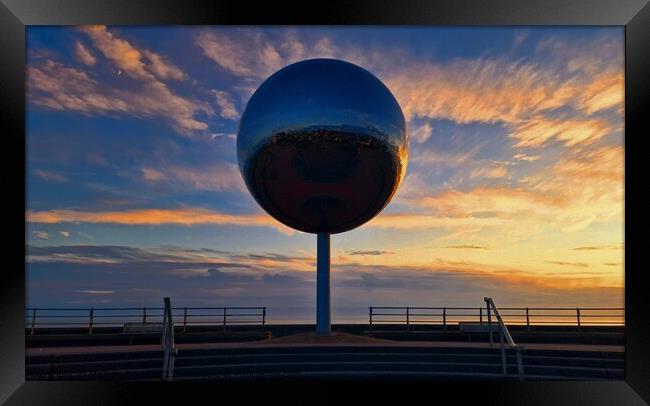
(167, 342)
(91, 319)
(522, 316)
(504, 333)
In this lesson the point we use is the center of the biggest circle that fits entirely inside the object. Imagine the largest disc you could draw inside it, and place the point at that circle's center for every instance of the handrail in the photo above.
(526, 316)
(503, 332)
(89, 319)
(167, 341)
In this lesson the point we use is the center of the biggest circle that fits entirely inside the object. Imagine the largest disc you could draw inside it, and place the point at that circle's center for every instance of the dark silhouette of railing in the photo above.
(504, 337)
(167, 342)
(525, 316)
(90, 319)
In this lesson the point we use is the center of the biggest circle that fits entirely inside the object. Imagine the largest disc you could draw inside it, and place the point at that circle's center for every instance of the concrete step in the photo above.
(105, 365)
(291, 361)
(296, 368)
(101, 375)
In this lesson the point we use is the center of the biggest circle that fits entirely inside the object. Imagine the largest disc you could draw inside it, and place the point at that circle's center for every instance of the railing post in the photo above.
(91, 319)
(370, 317)
(408, 321)
(578, 316)
(489, 317)
(503, 351)
(31, 333)
(263, 316)
(527, 320)
(480, 315)
(520, 364)
(224, 319)
(444, 318)
(144, 316)
(184, 320)
(167, 341)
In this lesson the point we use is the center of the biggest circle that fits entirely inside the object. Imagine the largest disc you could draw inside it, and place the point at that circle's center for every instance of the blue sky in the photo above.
(514, 185)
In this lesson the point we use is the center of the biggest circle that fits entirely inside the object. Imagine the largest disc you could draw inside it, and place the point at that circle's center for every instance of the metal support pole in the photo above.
(167, 341)
(91, 319)
(503, 351)
(408, 321)
(489, 316)
(33, 322)
(527, 320)
(480, 315)
(578, 315)
(144, 316)
(323, 283)
(444, 318)
(224, 319)
(263, 316)
(184, 320)
(520, 364)
(370, 316)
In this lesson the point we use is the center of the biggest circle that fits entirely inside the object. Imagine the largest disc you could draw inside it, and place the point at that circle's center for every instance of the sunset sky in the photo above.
(514, 187)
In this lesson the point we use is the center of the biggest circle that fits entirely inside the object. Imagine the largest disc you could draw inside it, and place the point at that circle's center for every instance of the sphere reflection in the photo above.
(322, 146)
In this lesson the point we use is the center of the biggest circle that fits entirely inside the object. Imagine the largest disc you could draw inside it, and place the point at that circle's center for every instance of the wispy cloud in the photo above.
(57, 86)
(41, 235)
(279, 280)
(228, 109)
(216, 178)
(130, 59)
(240, 52)
(184, 216)
(467, 247)
(84, 55)
(162, 67)
(599, 247)
(525, 157)
(369, 252)
(51, 176)
(490, 172)
(519, 94)
(96, 292)
(420, 133)
(571, 131)
(564, 263)
(579, 190)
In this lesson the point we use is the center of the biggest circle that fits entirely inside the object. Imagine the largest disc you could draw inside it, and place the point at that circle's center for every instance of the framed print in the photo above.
(434, 194)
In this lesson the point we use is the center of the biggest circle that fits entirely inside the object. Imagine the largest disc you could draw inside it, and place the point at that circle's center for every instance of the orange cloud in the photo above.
(244, 52)
(216, 178)
(186, 217)
(583, 188)
(537, 131)
(490, 172)
(56, 86)
(120, 51)
(520, 94)
(84, 55)
(423, 221)
(162, 67)
(228, 109)
(605, 92)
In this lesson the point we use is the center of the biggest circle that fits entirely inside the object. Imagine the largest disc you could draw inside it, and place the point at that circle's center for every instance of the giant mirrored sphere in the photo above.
(322, 145)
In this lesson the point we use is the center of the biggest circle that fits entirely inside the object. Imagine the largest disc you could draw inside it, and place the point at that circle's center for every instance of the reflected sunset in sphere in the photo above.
(322, 146)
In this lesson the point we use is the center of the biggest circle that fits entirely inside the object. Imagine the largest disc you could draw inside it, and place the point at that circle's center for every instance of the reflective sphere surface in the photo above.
(322, 146)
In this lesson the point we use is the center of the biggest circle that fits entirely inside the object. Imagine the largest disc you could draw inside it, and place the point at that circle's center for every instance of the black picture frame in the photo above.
(15, 15)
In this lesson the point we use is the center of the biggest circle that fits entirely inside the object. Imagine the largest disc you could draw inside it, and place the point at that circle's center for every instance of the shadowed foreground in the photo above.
(339, 356)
